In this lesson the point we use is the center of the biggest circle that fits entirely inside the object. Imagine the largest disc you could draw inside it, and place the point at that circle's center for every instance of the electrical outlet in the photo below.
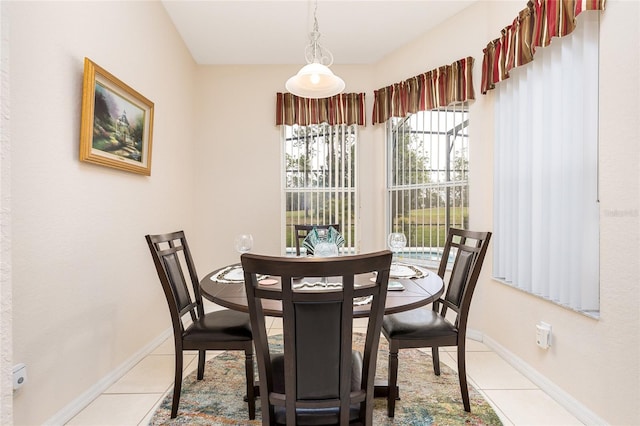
(19, 375)
(543, 335)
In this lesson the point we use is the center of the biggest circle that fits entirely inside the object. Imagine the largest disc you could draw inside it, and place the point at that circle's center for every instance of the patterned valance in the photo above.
(534, 27)
(434, 89)
(345, 108)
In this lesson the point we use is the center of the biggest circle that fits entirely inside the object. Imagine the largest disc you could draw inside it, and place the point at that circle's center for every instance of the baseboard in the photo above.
(581, 412)
(81, 402)
(474, 335)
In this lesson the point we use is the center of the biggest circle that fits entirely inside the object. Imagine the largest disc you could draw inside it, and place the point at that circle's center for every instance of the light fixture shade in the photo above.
(315, 81)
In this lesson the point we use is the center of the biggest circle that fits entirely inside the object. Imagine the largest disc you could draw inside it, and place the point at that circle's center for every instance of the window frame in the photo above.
(337, 195)
(452, 117)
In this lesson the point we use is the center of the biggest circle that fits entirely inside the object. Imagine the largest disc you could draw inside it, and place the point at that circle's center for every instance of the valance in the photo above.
(344, 108)
(434, 89)
(534, 27)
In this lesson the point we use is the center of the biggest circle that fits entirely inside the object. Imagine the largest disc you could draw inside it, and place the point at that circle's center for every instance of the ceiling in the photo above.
(276, 31)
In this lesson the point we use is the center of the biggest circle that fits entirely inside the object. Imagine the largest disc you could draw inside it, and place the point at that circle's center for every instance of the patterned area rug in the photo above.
(426, 399)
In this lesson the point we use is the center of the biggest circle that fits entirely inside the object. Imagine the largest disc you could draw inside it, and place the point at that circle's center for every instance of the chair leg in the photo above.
(368, 410)
(462, 377)
(202, 356)
(392, 381)
(435, 355)
(177, 385)
(251, 397)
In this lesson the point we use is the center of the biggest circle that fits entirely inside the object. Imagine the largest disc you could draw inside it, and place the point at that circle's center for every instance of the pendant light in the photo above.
(315, 80)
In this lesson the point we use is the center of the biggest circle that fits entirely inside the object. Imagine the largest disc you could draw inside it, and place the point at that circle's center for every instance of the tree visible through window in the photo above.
(428, 191)
(320, 179)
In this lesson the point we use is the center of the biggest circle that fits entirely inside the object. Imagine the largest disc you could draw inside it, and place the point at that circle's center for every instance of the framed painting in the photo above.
(117, 122)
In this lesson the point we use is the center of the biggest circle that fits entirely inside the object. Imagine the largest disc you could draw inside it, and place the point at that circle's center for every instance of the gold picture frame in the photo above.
(117, 122)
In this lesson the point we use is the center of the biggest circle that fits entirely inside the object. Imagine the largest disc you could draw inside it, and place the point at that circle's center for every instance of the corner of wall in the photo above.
(6, 349)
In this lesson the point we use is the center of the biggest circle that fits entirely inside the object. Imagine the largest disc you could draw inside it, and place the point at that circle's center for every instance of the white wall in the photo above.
(85, 293)
(72, 300)
(239, 156)
(6, 310)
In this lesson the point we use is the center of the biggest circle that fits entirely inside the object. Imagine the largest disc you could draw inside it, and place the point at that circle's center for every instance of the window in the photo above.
(546, 173)
(320, 179)
(427, 178)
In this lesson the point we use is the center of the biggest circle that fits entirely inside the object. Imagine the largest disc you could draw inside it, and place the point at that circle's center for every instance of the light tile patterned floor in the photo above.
(133, 399)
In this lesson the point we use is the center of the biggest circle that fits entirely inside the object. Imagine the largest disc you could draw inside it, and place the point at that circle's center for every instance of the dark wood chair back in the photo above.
(302, 231)
(171, 255)
(420, 328)
(318, 378)
(219, 330)
(469, 249)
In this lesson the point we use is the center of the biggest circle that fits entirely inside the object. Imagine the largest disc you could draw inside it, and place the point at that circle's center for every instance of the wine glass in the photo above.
(397, 241)
(243, 243)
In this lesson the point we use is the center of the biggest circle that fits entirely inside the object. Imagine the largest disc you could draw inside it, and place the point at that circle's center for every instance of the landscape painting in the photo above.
(116, 123)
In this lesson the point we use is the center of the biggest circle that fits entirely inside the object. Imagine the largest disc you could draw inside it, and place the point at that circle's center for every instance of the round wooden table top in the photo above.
(417, 292)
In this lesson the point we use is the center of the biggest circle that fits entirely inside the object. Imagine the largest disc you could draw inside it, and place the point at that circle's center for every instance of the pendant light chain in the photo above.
(314, 51)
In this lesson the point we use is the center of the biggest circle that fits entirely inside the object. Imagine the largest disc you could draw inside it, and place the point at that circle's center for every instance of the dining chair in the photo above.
(219, 330)
(424, 327)
(318, 377)
(302, 231)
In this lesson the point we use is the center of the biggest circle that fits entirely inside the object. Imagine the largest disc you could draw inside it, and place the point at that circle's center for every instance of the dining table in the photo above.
(411, 287)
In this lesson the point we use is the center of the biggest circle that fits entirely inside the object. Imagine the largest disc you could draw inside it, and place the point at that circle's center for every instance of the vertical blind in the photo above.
(428, 158)
(320, 140)
(320, 179)
(546, 216)
(427, 118)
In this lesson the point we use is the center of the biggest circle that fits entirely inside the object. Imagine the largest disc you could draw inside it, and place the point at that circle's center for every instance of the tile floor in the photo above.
(133, 399)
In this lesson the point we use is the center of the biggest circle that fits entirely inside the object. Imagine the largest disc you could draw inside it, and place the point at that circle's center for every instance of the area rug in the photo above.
(426, 399)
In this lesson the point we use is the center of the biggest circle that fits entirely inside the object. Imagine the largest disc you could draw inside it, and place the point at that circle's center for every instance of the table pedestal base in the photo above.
(381, 389)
